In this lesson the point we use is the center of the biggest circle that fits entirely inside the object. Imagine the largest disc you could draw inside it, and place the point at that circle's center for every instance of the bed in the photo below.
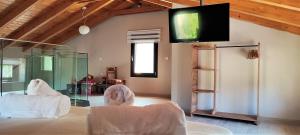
(75, 123)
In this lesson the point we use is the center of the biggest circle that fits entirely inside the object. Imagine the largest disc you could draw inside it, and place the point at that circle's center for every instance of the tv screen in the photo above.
(199, 24)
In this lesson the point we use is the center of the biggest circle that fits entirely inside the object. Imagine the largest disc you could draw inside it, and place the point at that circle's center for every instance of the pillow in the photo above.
(118, 95)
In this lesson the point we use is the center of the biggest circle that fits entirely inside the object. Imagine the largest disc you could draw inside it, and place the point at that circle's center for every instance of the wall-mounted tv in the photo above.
(199, 24)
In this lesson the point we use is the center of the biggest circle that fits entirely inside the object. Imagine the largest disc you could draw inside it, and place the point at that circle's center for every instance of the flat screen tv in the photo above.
(199, 24)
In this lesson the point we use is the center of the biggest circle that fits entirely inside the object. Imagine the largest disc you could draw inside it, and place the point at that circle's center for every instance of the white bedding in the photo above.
(41, 88)
(156, 119)
(75, 123)
(118, 95)
(32, 106)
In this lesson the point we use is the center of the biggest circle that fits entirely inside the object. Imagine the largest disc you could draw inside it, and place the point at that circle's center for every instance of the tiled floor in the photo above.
(242, 128)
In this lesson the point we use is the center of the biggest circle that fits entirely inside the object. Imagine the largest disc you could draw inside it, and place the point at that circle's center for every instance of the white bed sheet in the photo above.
(75, 123)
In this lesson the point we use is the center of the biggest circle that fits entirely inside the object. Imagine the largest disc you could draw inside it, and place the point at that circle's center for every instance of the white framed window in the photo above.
(144, 59)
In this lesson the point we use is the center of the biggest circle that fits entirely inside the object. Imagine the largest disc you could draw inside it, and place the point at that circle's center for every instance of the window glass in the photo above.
(7, 71)
(144, 59)
(47, 63)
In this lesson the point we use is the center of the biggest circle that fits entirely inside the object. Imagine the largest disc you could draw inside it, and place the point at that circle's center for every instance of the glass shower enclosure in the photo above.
(60, 66)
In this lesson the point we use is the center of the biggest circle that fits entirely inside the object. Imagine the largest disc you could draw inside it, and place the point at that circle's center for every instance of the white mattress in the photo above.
(75, 124)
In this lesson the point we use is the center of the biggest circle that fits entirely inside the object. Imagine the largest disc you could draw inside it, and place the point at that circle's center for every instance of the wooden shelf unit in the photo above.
(195, 90)
(196, 69)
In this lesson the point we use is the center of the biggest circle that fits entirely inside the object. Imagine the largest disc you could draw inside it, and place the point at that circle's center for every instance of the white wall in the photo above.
(280, 74)
(181, 84)
(107, 46)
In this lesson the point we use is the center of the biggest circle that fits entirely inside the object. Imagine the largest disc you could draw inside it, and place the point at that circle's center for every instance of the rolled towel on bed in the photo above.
(118, 95)
(158, 119)
(33, 106)
(40, 87)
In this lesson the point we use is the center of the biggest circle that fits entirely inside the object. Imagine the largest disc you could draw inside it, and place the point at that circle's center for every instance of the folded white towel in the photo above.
(158, 119)
(118, 95)
(40, 87)
(33, 106)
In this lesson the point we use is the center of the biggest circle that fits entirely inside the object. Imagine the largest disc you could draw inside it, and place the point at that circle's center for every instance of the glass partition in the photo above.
(13, 65)
(60, 66)
(81, 73)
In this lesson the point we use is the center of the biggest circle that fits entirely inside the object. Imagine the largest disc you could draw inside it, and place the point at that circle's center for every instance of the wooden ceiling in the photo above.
(56, 21)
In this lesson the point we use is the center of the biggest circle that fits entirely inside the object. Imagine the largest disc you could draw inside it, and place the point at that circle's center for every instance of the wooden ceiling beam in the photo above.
(92, 21)
(287, 18)
(265, 10)
(123, 5)
(185, 2)
(281, 5)
(75, 18)
(15, 10)
(261, 20)
(291, 3)
(160, 3)
(39, 21)
(138, 10)
(133, 1)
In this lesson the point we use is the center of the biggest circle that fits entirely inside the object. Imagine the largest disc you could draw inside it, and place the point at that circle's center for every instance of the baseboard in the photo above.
(153, 95)
(270, 120)
(279, 120)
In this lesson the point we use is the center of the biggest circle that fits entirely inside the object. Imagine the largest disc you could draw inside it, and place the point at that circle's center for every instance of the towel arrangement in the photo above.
(156, 119)
(118, 95)
(41, 102)
(41, 88)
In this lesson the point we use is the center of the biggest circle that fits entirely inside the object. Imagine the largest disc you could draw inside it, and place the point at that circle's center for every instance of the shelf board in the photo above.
(206, 69)
(234, 116)
(204, 91)
(204, 47)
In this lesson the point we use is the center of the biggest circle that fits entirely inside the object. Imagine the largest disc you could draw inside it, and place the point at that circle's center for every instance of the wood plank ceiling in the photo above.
(56, 21)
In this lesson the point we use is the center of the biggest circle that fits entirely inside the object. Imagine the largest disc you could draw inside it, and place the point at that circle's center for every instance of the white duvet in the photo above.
(157, 119)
